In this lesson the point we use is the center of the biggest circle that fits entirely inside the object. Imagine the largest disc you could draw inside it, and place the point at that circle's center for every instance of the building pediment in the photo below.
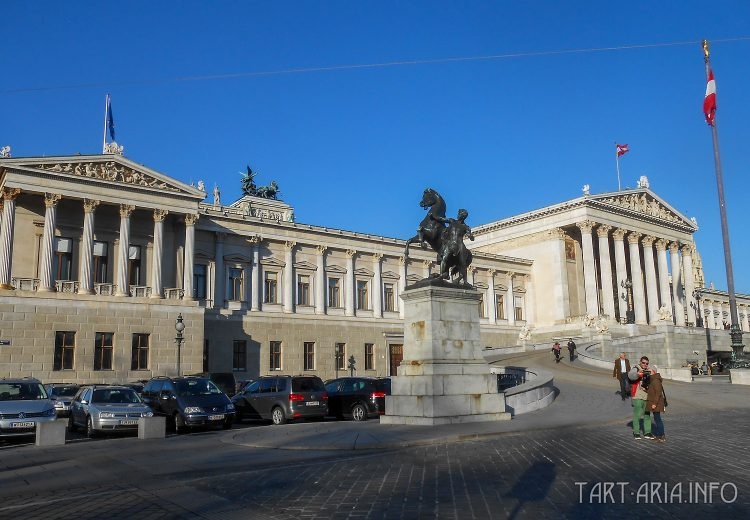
(389, 275)
(241, 259)
(412, 279)
(335, 269)
(305, 266)
(272, 262)
(363, 272)
(642, 202)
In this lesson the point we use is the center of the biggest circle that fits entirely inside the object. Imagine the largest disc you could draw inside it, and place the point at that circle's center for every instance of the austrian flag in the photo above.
(622, 149)
(709, 102)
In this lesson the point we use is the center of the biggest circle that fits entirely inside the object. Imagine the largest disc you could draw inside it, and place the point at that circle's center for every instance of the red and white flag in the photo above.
(622, 149)
(709, 102)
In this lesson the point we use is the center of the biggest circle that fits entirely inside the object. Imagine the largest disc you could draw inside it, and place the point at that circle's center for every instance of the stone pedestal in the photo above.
(443, 378)
(51, 433)
(152, 427)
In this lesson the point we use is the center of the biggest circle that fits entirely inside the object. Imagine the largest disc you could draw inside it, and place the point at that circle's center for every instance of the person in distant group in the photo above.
(656, 403)
(556, 348)
(640, 380)
(571, 348)
(704, 368)
(620, 372)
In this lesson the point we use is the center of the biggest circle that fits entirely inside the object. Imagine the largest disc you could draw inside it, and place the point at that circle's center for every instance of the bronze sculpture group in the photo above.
(446, 237)
(249, 188)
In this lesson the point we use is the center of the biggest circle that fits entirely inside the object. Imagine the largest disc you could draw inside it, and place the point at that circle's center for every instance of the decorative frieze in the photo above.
(642, 204)
(108, 171)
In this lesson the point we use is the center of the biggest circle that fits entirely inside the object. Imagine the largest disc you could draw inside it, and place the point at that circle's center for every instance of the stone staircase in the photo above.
(721, 379)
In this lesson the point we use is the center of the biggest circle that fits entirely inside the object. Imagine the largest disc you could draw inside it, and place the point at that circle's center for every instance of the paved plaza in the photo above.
(576, 459)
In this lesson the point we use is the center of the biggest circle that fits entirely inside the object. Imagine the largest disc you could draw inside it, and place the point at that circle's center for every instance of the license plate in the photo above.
(128, 422)
(215, 417)
(22, 425)
(312, 403)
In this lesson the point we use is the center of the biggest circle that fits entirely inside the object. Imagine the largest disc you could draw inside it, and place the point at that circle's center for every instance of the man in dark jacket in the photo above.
(571, 349)
(620, 372)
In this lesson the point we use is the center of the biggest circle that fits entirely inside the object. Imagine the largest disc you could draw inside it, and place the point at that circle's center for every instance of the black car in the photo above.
(282, 398)
(224, 380)
(189, 401)
(357, 397)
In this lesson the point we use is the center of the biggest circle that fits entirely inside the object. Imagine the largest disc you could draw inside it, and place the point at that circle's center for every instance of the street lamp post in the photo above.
(697, 295)
(628, 297)
(179, 326)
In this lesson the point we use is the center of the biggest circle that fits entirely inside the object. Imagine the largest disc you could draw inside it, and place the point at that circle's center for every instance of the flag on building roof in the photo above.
(622, 149)
(709, 102)
(110, 120)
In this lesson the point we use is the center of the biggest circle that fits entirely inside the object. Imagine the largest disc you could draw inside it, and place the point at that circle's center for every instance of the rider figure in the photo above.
(453, 239)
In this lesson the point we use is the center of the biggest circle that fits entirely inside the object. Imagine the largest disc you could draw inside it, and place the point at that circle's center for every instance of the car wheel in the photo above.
(277, 416)
(71, 424)
(179, 424)
(90, 432)
(359, 412)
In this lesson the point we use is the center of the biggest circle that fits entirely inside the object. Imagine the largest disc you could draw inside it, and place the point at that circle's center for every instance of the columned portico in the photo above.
(652, 296)
(661, 256)
(6, 235)
(46, 284)
(289, 276)
(320, 280)
(621, 271)
(157, 252)
(122, 258)
(87, 247)
(677, 295)
(349, 288)
(589, 268)
(639, 298)
(710, 319)
(377, 286)
(605, 266)
(188, 271)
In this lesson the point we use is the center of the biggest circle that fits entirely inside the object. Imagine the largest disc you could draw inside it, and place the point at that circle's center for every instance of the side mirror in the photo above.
(84, 401)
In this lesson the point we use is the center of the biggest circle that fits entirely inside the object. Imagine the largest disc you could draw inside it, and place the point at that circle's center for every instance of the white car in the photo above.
(99, 408)
(23, 403)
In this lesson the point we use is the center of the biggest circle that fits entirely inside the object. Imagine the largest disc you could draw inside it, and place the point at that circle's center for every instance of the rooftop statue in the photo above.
(445, 236)
(249, 188)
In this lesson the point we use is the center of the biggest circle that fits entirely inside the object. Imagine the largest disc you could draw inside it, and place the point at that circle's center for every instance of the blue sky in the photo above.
(353, 148)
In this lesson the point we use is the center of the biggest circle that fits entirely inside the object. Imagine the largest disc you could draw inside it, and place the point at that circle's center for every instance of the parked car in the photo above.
(241, 384)
(61, 395)
(282, 398)
(106, 408)
(189, 401)
(357, 397)
(23, 403)
(136, 385)
(224, 380)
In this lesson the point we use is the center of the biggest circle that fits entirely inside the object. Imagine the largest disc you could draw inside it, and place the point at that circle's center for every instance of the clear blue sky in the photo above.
(353, 148)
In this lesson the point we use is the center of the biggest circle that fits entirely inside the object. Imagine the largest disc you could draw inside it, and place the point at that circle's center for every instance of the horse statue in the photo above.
(269, 192)
(430, 230)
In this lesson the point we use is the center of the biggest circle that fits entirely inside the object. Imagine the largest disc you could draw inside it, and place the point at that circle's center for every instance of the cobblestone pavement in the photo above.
(576, 459)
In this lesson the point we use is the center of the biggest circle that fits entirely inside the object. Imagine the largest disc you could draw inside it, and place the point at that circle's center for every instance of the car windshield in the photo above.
(307, 384)
(63, 391)
(115, 396)
(190, 387)
(22, 391)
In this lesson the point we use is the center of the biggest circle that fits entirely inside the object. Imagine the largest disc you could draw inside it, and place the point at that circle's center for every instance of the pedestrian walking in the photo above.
(620, 372)
(556, 349)
(656, 403)
(571, 348)
(640, 380)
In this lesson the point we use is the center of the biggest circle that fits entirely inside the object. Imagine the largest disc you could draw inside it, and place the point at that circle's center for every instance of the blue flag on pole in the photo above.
(110, 120)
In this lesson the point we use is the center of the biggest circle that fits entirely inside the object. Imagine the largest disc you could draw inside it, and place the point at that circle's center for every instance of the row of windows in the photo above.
(62, 261)
(500, 307)
(239, 355)
(104, 351)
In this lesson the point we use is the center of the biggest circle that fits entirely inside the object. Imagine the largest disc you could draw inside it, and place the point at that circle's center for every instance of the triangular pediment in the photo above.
(335, 269)
(203, 255)
(304, 265)
(389, 275)
(643, 202)
(412, 279)
(272, 262)
(238, 258)
(363, 272)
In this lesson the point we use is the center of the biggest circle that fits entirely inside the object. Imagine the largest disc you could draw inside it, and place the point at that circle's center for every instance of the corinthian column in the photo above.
(651, 288)
(219, 274)
(122, 258)
(87, 247)
(377, 287)
(491, 298)
(156, 285)
(349, 288)
(510, 305)
(320, 280)
(679, 308)
(661, 258)
(255, 286)
(289, 276)
(189, 260)
(589, 267)
(45, 259)
(620, 269)
(687, 269)
(639, 298)
(401, 284)
(6, 235)
(605, 265)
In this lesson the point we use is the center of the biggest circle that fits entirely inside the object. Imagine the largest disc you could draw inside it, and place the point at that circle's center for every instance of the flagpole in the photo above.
(104, 136)
(735, 331)
(617, 161)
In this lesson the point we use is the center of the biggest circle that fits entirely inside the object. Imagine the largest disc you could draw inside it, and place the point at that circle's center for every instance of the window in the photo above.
(239, 355)
(234, 289)
(388, 298)
(518, 307)
(500, 303)
(334, 293)
(362, 303)
(303, 289)
(275, 361)
(101, 261)
(271, 286)
(63, 258)
(65, 343)
(103, 349)
(339, 353)
(482, 312)
(200, 275)
(134, 265)
(140, 352)
(369, 356)
(309, 350)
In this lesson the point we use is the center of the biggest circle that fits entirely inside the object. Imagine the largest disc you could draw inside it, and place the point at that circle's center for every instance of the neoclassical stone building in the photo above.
(99, 256)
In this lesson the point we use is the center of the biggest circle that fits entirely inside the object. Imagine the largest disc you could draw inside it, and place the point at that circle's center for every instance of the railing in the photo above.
(173, 293)
(25, 284)
(105, 289)
(140, 291)
(66, 286)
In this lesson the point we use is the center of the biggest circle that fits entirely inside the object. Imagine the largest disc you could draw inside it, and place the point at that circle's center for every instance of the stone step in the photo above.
(711, 379)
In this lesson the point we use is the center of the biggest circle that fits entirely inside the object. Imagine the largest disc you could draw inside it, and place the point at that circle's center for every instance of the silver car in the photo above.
(99, 408)
(23, 403)
(61, 395)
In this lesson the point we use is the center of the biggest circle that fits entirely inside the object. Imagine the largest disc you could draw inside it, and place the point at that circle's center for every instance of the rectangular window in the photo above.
(139, 358)
(65, 343)
(134, 265)
(200, 276)
(482, 312)
(369, 356)
(103, 350)
(362, 301)
(388, 297)
(101, 261)
(63, 258)
(309, 348)
(271, 286)
(500, 306)
(234, 290)
(303, 289)
(518, 308)
(239, 355)
(334, 293)
(275, 361)
(339, 354)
